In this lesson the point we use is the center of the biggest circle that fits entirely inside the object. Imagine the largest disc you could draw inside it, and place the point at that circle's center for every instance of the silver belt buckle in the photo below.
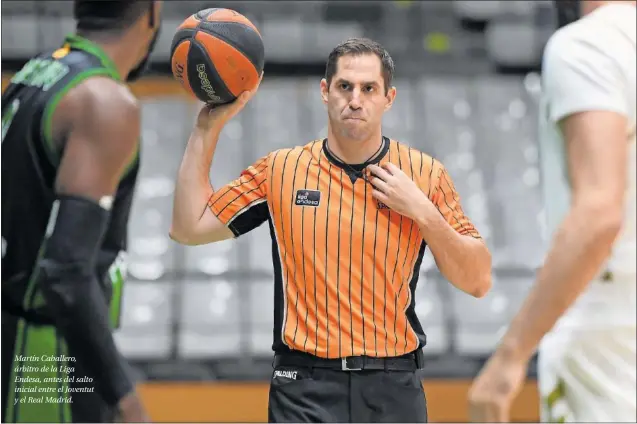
(344, 366)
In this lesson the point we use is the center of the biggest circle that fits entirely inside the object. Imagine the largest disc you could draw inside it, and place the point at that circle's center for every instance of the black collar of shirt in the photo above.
(356, 171)
(360, 166)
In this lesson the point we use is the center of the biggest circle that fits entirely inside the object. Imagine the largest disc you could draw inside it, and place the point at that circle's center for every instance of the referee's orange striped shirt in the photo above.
(346, 266)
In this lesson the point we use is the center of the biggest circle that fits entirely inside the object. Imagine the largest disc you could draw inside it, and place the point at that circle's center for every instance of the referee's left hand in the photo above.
(396, 190)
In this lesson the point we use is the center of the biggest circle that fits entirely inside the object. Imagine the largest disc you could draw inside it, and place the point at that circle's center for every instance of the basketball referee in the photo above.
(350, 218)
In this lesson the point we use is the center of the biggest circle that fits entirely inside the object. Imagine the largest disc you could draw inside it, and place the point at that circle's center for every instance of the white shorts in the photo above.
(588, 375)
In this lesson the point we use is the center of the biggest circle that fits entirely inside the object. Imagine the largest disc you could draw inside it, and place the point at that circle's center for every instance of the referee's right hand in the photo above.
(216, 116)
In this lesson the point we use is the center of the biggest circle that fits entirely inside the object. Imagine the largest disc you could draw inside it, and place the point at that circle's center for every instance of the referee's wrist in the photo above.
(425, 214)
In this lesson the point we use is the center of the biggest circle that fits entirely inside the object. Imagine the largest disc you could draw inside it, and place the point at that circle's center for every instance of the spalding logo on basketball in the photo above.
(217, 54)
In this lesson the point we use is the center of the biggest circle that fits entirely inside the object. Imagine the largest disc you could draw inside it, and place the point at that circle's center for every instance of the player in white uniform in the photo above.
(582, 307)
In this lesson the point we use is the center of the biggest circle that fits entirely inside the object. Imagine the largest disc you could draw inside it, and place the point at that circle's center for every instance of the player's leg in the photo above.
(38, 383)
(308, 395)
(9, 342)
(388, 396)
(88, 405)
(32, 385)
(588, 376)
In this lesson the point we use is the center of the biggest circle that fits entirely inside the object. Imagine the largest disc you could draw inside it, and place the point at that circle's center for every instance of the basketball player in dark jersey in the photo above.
(70, 158)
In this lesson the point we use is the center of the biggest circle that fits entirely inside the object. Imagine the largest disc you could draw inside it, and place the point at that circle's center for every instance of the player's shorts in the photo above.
(588, 375)
(42, 381)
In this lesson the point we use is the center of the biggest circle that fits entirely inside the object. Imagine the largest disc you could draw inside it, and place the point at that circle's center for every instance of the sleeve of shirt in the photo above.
(447, 200)
(579, 74)
(242, 203)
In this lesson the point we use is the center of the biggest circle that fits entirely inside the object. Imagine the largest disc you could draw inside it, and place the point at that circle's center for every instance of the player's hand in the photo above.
(495, 388)
(131, 410)
(216, 116)
(396, 190)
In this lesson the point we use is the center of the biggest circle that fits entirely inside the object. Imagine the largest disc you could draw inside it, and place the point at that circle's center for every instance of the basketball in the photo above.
(216, 54)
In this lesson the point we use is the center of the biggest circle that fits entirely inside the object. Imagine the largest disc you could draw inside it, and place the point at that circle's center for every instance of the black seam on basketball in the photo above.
(256, 65)
(209, 11)
(237, 47)
(220, 88)
(185, 35)
(188, 62)
(192, 39)
(234, 46)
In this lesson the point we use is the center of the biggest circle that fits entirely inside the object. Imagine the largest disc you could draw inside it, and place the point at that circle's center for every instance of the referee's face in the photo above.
(356, 98)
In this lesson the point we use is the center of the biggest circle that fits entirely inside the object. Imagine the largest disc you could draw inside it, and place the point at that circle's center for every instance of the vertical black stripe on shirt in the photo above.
(270, 199)
(338, 268)
(400, 233)
(296, 301)
(385, 268)
(374, 285)
(285, 250)
(363, 267)
(279, 297)
(349, 279)
(327, 243)
(412, 317)
(307, 173)
(412, 256)
(431, 172)
(318, 187)
(405, 276)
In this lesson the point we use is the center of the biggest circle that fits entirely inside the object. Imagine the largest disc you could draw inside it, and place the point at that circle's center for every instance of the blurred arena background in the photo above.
(197, 322)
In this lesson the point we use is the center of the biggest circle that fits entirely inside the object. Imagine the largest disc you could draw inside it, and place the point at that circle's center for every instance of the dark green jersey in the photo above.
(30, 159)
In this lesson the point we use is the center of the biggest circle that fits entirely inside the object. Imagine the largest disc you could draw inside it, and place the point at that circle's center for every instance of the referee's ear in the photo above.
(391, 96)
(324, 90)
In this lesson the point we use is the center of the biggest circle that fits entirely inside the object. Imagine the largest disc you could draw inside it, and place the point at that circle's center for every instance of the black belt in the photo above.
(409, 362)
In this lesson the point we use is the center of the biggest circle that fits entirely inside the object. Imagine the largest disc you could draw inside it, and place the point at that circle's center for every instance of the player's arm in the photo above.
(458, 249)
(101, 123)
(193, 220)
(590, 102)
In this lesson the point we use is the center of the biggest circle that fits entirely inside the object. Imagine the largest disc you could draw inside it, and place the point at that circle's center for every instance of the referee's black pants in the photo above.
(307, 390)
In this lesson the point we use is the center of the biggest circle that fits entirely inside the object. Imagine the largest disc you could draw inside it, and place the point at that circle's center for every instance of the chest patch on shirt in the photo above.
(307, 198)
(381, 205)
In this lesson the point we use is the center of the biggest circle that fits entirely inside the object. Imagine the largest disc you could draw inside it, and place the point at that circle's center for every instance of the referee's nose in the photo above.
(354, 101)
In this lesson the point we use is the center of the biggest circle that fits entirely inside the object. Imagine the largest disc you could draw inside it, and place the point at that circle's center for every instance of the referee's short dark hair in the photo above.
(359, 46)
(108, 16)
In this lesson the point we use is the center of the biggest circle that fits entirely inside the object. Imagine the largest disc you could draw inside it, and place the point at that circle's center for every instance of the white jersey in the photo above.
(590, 65)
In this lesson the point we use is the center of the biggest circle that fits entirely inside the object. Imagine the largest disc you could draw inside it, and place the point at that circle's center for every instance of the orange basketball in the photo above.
(216, 54)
